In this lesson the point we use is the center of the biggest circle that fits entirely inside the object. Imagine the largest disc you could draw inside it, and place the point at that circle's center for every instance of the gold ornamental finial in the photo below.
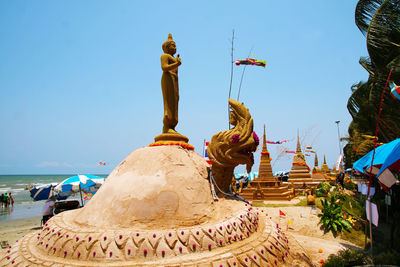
(169, 37)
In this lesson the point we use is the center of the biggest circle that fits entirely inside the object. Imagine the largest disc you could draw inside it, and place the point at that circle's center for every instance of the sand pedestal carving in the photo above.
(156, 209)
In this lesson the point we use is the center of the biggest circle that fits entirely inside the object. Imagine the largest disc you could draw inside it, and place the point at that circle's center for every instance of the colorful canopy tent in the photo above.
(386, 163)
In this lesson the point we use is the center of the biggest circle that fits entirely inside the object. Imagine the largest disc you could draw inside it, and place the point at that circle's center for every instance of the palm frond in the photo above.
(359, 98)
(364, 13)
(367, 64)
(383, 34)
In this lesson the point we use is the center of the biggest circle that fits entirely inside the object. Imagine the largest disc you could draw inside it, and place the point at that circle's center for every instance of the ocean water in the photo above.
(24, 206)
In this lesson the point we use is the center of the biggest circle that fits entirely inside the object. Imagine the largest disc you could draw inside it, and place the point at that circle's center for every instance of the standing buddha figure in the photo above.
(169, 85)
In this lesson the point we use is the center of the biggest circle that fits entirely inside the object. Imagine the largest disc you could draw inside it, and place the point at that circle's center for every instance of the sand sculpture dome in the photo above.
(162, 186)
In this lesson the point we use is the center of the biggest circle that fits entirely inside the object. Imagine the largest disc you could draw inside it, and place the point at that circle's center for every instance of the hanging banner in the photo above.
(374, 210)
(364, 190)
(387, 178)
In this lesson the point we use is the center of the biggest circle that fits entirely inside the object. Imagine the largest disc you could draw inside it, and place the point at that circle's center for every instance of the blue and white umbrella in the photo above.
(78, 183)
(44, 192)
(41, 192)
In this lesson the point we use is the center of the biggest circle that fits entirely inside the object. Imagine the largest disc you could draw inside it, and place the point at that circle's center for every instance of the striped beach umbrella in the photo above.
(41, 192)
(79, 183)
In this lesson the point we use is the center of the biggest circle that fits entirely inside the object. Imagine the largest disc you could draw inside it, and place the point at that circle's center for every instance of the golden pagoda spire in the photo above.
(316, 161)
(298, 156)
(298, 149)
(265, 171)
(324, 167)
(264, 146)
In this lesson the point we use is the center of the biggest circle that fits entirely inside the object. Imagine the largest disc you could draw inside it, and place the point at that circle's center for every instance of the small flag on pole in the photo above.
(205, 153)
(281, 213)
(287, 225)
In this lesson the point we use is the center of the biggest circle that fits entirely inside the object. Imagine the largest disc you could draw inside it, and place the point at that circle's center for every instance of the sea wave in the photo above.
(29, 203)
(5, 190)
(12, 190)
(17, 190)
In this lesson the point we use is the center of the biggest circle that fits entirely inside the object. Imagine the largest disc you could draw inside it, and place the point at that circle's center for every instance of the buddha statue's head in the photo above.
(169, 46)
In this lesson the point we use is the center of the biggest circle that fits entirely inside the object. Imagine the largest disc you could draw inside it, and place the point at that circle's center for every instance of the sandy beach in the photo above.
(11, 231)
(304, 230)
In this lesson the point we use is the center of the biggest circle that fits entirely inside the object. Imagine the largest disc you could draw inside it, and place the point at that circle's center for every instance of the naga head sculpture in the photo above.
(230, 148)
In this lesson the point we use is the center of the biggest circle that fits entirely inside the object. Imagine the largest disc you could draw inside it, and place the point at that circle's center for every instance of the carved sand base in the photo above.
(176, 137)
(248, 238)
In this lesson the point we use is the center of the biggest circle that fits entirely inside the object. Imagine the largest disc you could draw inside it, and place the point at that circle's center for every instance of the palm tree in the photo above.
(379, 21)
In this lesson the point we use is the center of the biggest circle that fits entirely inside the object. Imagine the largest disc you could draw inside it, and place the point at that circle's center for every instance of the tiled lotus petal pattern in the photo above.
(245, 239)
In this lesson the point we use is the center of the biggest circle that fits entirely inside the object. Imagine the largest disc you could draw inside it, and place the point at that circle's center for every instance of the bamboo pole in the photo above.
(230, 87)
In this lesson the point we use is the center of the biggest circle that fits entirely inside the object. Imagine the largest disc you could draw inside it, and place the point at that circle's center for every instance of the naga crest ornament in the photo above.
(230, 148)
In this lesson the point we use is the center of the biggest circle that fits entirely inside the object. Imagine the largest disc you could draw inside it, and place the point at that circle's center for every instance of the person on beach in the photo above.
(11, 199)
(5, 200)
(48, 208)
(1, 199)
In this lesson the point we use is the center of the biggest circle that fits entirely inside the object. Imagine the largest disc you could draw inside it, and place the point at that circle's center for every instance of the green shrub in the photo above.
(322, 189)
(349, 185)
(332, 216)
(337, 193)
(351, 257)
(387, 257)
(348, 257)
(353, 206)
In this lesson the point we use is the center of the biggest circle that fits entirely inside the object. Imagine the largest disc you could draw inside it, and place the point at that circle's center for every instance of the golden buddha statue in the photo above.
(170, 91)
(169, 85)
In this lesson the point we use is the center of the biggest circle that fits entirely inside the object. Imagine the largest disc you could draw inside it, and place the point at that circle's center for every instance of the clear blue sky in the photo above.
(80, 80)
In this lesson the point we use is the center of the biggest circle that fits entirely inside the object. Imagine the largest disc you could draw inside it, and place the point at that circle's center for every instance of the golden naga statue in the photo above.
(230, 148)
(170, 91)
